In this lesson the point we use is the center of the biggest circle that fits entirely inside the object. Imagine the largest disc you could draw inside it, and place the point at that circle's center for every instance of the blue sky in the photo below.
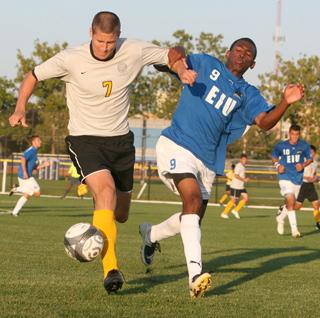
(22, 22)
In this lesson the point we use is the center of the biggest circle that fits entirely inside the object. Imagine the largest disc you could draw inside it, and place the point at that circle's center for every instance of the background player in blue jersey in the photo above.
(290, 158)
(212, 113)
(28, 186)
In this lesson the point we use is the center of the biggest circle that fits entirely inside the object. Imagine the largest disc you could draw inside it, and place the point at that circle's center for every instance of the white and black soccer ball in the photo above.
(83, 242)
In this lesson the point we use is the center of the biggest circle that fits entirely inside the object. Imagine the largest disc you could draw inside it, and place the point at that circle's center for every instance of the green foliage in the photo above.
(47, 111)
(256, 143)
(306, 113)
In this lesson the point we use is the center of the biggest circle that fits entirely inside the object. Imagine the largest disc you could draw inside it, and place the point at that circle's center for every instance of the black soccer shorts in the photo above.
(94, 153)
(237, 192)
(307, 191)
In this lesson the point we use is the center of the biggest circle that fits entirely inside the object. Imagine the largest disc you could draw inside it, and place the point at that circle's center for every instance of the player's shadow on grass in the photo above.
(298, 255)
(150, 281)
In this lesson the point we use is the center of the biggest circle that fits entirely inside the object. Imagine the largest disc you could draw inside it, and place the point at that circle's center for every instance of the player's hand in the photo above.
(281, 169)
(299, 166)
(293, 93)
(46, 164)
(25, 176)
(188, 76)
(17, 118)
(246, 179)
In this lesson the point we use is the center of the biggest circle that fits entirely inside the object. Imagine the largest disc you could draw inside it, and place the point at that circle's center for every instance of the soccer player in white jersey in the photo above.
(290, 157)
(211, 114)
(97, 76)
(237, 189)
(308, 190)
(28, 185)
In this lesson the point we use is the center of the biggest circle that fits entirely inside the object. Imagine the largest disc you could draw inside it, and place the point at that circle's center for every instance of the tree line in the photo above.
(157, 93)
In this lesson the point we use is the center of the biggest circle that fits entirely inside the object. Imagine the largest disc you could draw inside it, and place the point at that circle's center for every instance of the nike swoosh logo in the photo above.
(83, 72)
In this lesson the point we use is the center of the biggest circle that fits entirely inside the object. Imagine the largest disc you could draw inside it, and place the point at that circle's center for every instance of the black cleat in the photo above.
(114, 281)
(13, 190)
(318, 225)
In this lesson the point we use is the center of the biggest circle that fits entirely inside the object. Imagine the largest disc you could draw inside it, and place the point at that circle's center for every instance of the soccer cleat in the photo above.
(13, 190)
(224, 216)
(280, 225)
(14, 214)
(318, 225)
(296, 234)
(147, 248)
(114, 281)
(236, 214)
(200, 284)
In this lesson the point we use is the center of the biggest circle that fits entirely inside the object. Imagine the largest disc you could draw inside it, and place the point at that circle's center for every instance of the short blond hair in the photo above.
(106, 22)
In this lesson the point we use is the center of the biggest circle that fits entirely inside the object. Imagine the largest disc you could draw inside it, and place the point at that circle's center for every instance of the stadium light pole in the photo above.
(278, 39)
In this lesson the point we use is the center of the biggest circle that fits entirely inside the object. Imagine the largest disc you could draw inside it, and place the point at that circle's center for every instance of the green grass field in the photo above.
(256, 273)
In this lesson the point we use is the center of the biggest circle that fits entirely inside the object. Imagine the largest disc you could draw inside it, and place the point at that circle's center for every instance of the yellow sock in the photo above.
(105, 222)
(228, 207)
(240, 205)
(316, 215)
(223, 198)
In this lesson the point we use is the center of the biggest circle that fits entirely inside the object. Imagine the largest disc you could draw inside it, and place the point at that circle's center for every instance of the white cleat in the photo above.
(200, 284)
(236, 214)
(280, 226)
(296, 234)
(224, 216)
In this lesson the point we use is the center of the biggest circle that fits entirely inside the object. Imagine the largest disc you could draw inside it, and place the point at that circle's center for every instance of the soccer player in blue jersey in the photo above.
(28, 186)
(212, 113)
(290, 157)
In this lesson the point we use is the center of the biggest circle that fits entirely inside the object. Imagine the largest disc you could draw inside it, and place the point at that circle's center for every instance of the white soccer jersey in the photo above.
(239, 170)
(310, 170)
(97, 92)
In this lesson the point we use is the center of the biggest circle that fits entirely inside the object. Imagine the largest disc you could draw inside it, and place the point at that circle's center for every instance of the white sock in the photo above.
(283, 214)
(21, 202)
(292, 220)
(18, 189)
(191, 237)
(169, 227)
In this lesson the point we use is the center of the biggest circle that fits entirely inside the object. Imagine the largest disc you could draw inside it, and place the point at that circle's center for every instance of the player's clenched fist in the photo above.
(293, 93)
(18, 118)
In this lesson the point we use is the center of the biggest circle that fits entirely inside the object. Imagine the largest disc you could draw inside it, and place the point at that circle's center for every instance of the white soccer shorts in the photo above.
(287, 187)
(172, 158)
(29, 186)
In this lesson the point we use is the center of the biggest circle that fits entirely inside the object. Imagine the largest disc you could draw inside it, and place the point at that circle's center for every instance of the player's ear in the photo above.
(253, 64)
(90, 32)
(227, 54)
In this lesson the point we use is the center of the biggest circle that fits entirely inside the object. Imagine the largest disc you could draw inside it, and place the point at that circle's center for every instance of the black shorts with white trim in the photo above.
(94, 153)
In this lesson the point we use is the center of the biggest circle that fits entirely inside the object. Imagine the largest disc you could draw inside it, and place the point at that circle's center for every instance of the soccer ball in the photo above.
(83, 242)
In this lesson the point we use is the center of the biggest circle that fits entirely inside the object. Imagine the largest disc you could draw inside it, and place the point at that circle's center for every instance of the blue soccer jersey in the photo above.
(32, 161)
(289, 155)
(216, 106)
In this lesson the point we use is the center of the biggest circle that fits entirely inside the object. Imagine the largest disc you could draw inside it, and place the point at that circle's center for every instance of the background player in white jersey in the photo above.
(229, 177)
(308, 190)
(212, 113)
(290, 157)
(237, 189)
(97, 76)
(28, 185)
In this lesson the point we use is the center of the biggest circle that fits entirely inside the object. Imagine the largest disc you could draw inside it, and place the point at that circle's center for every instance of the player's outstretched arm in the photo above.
(292, 94)
(27, 86)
